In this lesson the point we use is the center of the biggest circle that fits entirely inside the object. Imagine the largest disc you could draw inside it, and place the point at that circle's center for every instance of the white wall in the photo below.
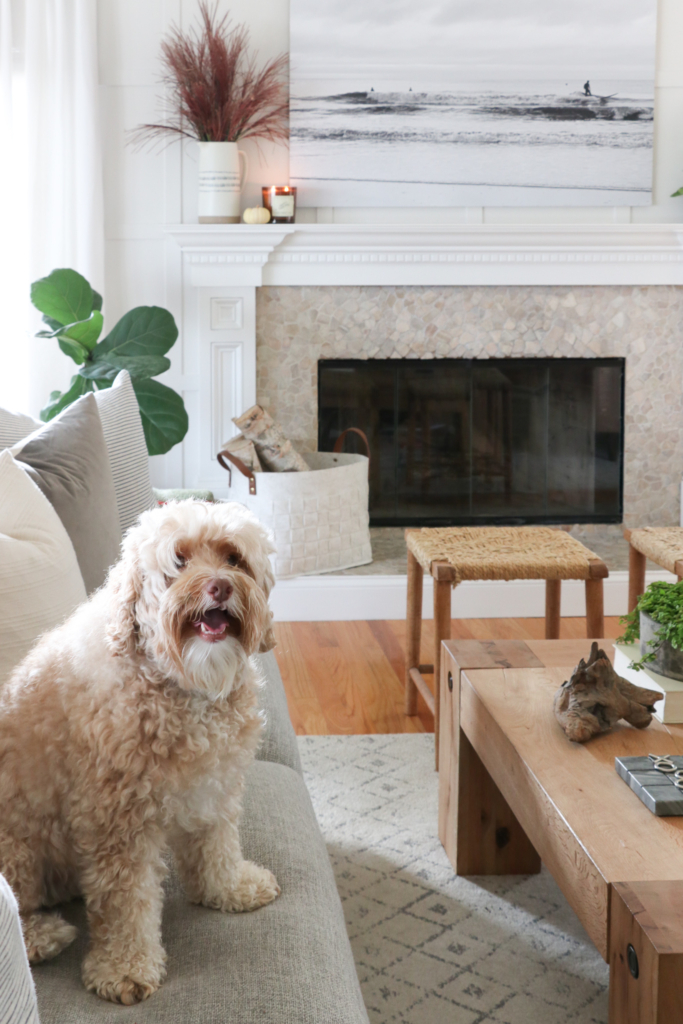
(146, 190)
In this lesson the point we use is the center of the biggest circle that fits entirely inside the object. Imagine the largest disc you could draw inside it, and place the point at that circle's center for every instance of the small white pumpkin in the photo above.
(256, 215)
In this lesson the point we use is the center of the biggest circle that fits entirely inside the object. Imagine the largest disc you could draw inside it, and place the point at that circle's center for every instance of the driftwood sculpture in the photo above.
(595, 698)
(274, 449)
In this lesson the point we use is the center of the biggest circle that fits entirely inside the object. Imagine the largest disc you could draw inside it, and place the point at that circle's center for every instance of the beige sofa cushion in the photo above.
(40, 583)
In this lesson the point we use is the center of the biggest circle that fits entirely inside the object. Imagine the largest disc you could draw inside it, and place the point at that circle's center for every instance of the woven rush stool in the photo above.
(662, 545)
(453, 554)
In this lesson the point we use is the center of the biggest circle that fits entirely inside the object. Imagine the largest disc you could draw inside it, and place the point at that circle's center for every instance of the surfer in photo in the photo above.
(587, 88)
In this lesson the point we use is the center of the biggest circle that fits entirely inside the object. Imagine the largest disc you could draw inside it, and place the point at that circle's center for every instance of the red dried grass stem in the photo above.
(217, 91)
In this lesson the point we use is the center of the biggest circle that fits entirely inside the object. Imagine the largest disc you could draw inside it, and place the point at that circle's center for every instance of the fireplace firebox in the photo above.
(477, 441)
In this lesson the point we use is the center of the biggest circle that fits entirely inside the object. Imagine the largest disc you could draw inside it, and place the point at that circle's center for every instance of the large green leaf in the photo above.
(73, 349)
(145, 331)
(86, 332)
(164, 419)
(59, 400)
(99, 371)
(64, 295)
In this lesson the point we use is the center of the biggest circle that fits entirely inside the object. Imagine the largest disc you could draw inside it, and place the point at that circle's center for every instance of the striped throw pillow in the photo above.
(17, 994)
(125, 440)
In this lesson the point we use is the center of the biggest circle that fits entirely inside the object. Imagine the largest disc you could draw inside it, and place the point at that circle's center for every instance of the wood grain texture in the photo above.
(489, 839)
(636, 575)
(595, 615)
(413, 629)
(313, 689)
(442, 631)
(649, 917)
(585, 888)
(553, 601)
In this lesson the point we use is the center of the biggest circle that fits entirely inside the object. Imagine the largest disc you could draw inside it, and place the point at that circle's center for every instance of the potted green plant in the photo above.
(657, 622)
(218, 95)
(72, 310)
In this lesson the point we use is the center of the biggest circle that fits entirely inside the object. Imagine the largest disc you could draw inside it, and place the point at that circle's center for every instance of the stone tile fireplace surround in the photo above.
(263, 304)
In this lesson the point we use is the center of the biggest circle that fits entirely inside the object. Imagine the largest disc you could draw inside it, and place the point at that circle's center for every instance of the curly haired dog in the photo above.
(129, 728)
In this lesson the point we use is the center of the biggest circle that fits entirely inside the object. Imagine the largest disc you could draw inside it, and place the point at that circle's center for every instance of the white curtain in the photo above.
(55, 163)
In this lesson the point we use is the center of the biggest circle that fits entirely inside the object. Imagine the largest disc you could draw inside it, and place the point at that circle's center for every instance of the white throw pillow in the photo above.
(40, 583)
(125, 440)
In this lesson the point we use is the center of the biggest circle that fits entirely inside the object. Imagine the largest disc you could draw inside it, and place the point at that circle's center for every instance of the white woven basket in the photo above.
(319, 520)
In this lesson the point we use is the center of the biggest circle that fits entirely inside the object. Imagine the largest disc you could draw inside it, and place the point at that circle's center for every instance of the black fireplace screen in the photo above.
(466, 441)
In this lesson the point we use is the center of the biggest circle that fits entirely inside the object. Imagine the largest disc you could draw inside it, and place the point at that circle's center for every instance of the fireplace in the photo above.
(476, 441)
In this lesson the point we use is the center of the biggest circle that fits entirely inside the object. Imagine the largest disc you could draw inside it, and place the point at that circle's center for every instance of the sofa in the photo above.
(287, 963)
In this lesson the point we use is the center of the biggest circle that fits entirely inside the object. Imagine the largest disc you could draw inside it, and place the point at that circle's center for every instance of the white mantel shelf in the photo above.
(368, 254)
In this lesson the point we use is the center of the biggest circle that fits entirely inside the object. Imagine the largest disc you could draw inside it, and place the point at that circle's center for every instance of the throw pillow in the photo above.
(125, 440)
(14, 426)
(120, 415)
(40, 583)
(67, 458)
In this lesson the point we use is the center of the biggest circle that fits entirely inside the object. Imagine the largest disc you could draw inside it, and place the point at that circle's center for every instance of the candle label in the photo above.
(282, 206)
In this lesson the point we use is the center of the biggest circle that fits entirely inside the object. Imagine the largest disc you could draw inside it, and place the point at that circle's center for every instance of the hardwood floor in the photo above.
(347, 677)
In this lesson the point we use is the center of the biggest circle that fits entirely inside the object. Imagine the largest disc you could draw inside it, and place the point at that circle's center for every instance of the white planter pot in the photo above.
(220, 182)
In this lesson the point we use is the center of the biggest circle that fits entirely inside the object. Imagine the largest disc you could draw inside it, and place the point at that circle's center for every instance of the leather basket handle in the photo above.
(339, 443)
(238, 464)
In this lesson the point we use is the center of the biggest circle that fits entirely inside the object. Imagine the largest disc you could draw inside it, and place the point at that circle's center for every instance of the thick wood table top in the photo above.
(618, 834)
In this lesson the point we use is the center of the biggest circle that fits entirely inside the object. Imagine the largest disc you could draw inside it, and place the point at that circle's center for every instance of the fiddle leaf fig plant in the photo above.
(72, 312)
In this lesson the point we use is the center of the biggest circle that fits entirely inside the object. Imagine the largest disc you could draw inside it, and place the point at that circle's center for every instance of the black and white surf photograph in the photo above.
(472, 102)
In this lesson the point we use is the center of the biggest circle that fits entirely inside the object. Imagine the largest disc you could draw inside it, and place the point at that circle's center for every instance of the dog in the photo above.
(127, 731)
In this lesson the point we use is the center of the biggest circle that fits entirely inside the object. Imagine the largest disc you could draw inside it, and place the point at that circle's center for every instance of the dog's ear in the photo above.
(125, 583)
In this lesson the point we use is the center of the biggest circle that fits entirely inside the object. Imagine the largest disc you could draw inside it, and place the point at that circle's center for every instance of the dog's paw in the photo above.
(254, 888)
(46, 935)
(125, 985)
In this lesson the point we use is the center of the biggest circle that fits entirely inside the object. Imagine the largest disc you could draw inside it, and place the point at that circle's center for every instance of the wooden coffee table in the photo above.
(514, 791)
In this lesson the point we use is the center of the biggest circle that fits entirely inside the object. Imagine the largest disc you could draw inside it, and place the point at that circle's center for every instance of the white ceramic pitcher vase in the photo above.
(220, 182)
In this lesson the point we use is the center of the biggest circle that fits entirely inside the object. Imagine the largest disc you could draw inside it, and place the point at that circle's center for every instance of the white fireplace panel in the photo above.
(226, 340)
(226, 314)
(227, 392)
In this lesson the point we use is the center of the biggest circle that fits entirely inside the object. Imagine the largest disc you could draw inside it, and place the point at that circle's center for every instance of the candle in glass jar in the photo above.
(281, 201)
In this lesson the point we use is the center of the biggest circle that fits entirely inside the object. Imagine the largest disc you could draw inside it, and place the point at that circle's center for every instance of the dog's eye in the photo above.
(233, 560)
(180, 560)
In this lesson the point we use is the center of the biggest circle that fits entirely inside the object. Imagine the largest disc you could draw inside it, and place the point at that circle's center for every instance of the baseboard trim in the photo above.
(348, 598)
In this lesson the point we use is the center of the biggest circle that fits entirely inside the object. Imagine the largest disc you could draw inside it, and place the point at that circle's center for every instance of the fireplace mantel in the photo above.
(370, 254)
(222, 266)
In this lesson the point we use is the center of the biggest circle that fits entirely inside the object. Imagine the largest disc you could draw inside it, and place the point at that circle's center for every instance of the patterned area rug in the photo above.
(431, 948)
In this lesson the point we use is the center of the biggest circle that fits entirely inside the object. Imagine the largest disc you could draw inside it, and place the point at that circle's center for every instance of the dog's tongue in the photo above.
(215, 619)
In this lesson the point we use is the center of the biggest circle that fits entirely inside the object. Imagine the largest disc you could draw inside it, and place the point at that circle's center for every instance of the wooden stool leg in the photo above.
(595, 616)
(413, 629)
(636, 576)
(442, 631)
(553, 599)
(646, 953)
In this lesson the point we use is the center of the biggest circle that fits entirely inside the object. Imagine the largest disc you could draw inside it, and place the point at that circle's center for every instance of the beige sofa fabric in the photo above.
(40, 582)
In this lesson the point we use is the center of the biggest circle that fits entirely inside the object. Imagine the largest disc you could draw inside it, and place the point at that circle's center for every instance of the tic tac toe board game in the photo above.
(657, 789)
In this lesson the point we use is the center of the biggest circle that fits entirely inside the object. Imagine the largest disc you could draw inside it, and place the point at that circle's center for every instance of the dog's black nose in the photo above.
(219, 590)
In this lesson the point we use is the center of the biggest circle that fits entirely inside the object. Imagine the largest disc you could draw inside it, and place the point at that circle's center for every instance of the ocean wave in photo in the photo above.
(524, 135)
